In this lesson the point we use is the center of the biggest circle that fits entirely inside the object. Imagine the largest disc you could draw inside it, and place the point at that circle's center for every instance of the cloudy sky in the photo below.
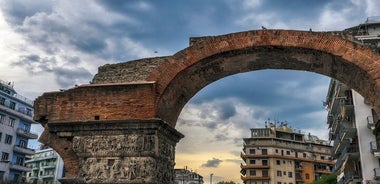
(46, 45)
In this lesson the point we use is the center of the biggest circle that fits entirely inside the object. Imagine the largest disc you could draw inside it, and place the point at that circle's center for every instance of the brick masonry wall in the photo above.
(103, 102)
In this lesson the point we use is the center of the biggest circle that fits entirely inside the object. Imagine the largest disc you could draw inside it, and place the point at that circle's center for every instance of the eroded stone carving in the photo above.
(118, 170)
(117, 145)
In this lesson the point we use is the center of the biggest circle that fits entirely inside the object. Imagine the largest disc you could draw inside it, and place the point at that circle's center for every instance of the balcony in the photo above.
(47, 176)
(350, 178)
(375, 149)
(18, 167)
(252, 166)
(244, 178)
(48, 166)
(370, 123)
(27, 134)
(349, 152)
(376, 172)
(23, 150)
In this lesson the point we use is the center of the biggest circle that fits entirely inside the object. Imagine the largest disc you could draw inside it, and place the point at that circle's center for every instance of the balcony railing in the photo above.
(18, 167)
(370, 123)
(27, 134)
(376, 172)
(375, 149)
(348, 152)
(349, 177)
(254, 178)
(47, 176)
(23, 150)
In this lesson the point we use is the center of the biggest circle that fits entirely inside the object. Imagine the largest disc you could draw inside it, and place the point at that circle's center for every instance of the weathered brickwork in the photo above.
(158, 88)
(132, 71)
(98, 102)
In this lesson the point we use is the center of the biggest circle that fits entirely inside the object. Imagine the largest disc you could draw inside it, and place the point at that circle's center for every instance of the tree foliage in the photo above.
(326, 179)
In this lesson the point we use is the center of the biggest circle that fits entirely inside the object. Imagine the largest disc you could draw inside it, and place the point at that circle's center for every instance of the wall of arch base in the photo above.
(130, 151)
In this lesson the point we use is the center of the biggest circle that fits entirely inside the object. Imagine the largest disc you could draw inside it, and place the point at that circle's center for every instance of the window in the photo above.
(304, 155)
(290, 174)
(252, 161)
(276, 150)
(307, 176)
(28, 112)
(264, 151)
(278, 182)
(2, 118)
(252, 172)
(265, 173)
(11, 122)
(252, 151)
(4, 156)
(12, 105)
(1, 136)
(2, 100)
(16, 178)
(23, 143)
(288, 152)
(279, 173)
(20, 161)
(322, 157)
(265, 182)
(284, 173)
(8, 139)
(264, 162)
(278, 162)
(253, 182)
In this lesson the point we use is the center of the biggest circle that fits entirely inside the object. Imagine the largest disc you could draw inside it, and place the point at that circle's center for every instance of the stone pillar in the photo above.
(131, 151)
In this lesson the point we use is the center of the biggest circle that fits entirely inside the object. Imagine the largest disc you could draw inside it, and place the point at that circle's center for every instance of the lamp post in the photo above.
(211, 177)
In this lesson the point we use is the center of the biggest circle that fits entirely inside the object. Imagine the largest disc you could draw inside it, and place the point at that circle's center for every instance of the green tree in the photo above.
(226, 182)
(326, 179)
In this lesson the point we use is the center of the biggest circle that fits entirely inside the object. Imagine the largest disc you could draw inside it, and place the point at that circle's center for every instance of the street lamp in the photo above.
(211, 177)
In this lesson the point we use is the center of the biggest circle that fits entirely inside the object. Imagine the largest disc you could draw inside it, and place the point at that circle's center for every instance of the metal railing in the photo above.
(370, 123)
(374, 146)
(376, 173)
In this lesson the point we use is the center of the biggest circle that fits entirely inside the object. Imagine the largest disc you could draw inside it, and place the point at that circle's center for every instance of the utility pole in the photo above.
(211, 177)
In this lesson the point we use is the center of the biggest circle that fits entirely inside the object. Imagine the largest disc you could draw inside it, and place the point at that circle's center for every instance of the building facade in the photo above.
(184, 176)
(16, 119)
(281, 155)
(367, 33)
(351, 123)
(46, 167)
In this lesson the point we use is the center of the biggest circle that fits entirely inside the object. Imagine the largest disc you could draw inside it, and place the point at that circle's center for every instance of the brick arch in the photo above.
(208, 59)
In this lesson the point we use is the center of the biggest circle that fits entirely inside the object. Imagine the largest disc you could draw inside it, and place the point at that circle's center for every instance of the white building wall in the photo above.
(365, 135)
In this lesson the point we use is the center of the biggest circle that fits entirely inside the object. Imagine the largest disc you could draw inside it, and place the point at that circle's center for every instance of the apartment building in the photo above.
(351, 123)
(185, 176)
(367, 33)
(281, 155)
(46, 167)
(16, 119)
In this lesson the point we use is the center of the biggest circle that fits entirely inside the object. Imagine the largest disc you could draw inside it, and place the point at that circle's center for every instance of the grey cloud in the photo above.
(65, 76)
(238, 161)
(221, 137)
(35, 64)
(17, 10)
(90, 45)
(69, 77)
(211, 125)
(226, 110)
(214, 162)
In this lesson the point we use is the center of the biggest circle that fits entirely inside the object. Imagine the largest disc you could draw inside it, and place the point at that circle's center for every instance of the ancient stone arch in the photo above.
(121, 126)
